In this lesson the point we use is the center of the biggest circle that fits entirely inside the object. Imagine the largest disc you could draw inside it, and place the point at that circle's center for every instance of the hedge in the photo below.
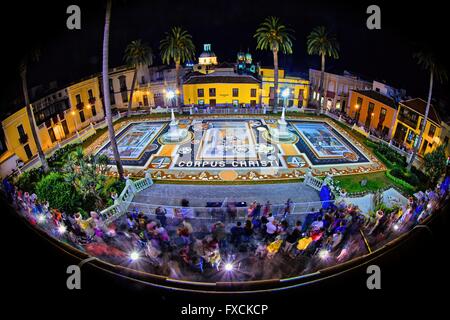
(405, 185)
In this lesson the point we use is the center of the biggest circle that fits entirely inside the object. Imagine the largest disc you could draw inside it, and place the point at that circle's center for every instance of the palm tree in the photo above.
(322, 43)
(177, 45)
(275, 36)
(427, 61)
(34, 56)
(106, 98)
(137, 54)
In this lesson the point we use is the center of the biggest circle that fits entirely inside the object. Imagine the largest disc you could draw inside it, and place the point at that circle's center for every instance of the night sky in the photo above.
(229, 26)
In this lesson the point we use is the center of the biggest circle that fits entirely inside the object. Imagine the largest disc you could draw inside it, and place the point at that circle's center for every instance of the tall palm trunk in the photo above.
(107, 101)
(177, 73)
(275, 80)
(322, 89)
(422, 129)
(37, 142)
(133, 84)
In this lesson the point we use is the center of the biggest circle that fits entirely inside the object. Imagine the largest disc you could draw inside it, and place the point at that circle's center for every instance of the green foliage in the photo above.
(371, 144)
(54, 189)
(87, 175)
(177, 45)
(323, 43)
(138, 53)
(112, 185)
(27, 181)
(383, 151)
(403, 184)
(57, 160)
(273, 35)
(435, 163)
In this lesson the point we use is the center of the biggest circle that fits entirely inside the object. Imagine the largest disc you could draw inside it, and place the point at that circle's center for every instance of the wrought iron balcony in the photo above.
(80, 105)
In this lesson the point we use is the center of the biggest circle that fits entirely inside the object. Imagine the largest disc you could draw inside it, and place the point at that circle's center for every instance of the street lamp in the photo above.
(285, 94)
(356, 110)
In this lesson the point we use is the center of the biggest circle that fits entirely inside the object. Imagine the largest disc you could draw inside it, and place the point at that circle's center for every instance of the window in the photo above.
(112, 97)
(383, 111)
(111, 85)
(145, 100)
(359, 102)
(212, 92)
(28, 151)
(123, 83)
(82, 117)
(21, 131)
(253, 103)
(90, 94)
(124, 96)
(431, 131)
(212, 102)
(201, 93)
(235, 92)
(94, 111)
(51, 133)
(78, 98)
(253, 93)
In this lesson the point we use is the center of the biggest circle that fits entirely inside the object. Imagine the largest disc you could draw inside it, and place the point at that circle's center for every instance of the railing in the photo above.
(199, 216)
(124, 200)
(313, 182)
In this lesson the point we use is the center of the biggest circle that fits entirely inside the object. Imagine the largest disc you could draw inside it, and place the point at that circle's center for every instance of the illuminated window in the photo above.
(431, 131)
(235, 92)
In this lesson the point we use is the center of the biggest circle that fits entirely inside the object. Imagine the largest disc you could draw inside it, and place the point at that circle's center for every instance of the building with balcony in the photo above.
(57, 116)
(411, 114)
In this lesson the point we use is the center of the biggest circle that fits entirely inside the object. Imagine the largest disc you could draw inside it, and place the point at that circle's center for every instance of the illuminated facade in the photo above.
(57, 116)
(223, 87)
(337, 89)
(373, 110)
(409, 122)
(296, 89)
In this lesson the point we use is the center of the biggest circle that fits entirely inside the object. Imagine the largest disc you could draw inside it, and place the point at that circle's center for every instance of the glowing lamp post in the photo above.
(170, 95)
(285, 94)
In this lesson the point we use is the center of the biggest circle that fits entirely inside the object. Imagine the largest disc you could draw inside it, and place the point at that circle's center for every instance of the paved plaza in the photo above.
(198, 195)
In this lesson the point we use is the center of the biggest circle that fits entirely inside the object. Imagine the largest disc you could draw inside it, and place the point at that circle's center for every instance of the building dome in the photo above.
(207, 57)
(207, 54)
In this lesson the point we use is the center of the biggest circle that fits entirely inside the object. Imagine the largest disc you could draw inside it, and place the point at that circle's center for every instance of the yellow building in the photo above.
(408, 124)
(222, 87)
(296, 89)
(86, 106)
(57, 116)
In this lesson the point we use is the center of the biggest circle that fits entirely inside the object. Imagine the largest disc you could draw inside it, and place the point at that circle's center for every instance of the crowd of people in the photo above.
(176, 242)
